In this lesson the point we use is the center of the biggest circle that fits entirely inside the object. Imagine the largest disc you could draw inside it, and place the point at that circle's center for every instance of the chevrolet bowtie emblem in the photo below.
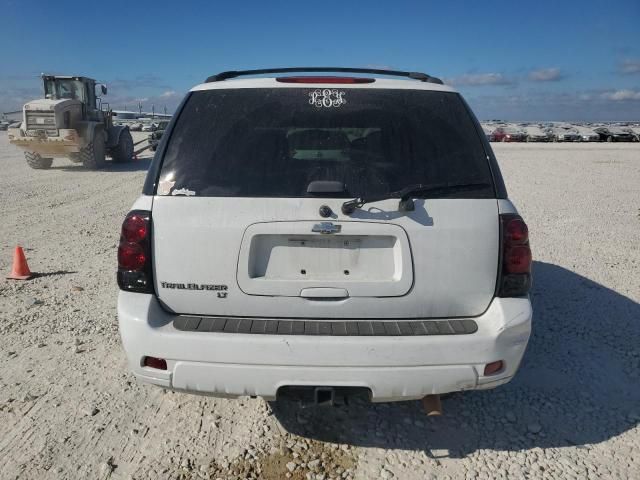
(326, 228)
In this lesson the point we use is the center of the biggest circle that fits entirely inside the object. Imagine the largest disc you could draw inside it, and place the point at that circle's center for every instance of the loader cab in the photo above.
(82, 89)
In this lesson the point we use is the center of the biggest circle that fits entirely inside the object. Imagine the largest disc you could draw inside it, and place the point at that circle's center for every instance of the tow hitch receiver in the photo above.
(324, 396)
(309, 396)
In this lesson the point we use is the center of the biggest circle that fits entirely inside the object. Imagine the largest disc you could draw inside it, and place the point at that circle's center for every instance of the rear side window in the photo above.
(275, 142)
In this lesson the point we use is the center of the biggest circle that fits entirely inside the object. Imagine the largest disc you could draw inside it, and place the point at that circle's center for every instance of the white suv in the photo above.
(323, 234)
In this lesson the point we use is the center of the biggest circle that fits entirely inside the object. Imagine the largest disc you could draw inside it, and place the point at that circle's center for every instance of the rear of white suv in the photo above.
(324, 232)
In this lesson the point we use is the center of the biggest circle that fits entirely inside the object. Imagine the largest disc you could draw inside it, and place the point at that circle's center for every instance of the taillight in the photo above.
(131, 256)
(134, 253)
(515, 230)
(134, 228)
(307, 79)
(515, 259)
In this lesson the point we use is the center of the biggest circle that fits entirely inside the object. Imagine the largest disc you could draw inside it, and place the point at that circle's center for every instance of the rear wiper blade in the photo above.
(406, 202)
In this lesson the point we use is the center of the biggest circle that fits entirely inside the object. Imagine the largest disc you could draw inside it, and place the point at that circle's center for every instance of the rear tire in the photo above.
(36, 161)
(123, 152)
(93, 155)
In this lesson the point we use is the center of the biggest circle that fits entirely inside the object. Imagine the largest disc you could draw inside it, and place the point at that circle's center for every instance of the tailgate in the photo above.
(225, 256)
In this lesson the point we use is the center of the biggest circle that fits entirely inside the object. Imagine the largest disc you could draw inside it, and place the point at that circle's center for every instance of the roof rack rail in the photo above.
(423, 77)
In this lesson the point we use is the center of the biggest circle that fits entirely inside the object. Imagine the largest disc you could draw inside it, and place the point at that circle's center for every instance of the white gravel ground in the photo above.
(69, 408)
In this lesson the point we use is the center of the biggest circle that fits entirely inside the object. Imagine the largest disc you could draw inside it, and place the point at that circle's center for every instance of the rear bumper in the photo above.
(391, 367)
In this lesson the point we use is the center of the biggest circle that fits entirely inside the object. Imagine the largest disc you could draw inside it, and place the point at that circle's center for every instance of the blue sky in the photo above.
(536, 60)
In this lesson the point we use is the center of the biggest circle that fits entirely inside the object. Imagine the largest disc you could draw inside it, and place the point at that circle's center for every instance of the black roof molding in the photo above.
(423, 77)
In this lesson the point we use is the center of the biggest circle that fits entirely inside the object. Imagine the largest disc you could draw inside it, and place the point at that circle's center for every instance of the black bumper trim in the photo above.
(352, 328)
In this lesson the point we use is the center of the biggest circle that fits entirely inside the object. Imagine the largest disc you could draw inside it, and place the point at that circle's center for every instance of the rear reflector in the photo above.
(325, 80)
(493, 367)
(153, 362)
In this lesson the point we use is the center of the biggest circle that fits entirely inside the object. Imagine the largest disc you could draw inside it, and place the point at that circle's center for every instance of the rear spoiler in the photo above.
(423, 77)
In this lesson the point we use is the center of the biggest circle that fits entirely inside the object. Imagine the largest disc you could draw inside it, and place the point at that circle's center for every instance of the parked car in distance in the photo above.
(149, 127)
(564, 134)
(135, 127)
(508, 134)
(635, 133)
(614, 134)
(4, 125)
(536, 134)
(587, 134)
(487, 132)
(311, 246)
(154, 138)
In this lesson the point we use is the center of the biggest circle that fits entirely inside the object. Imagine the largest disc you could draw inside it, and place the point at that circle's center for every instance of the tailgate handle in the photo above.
(324, 292)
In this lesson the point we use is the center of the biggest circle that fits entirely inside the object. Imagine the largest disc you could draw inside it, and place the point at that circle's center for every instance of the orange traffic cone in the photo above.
(20, 269)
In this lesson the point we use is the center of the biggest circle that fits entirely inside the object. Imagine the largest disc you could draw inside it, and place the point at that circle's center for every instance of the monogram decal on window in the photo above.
(326, 97)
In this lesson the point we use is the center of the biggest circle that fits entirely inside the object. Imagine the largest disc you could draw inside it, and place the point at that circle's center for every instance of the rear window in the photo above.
(275, 142)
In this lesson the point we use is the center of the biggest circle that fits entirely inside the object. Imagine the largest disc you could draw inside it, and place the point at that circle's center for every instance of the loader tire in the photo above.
(93, 155)
(36, 161)
(123, 152)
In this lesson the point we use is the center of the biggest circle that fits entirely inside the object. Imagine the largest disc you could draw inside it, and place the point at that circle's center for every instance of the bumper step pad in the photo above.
(355, 328)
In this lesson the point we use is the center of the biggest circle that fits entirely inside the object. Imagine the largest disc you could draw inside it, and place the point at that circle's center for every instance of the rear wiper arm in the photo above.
(406, 202)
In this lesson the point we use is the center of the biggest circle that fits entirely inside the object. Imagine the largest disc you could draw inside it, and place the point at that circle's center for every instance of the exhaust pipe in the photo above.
(432, 405)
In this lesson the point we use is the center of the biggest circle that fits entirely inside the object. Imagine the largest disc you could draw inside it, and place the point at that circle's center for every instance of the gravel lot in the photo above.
(69, 409)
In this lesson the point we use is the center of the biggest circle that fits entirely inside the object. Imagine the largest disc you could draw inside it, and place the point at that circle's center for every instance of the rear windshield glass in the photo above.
(275, 142)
